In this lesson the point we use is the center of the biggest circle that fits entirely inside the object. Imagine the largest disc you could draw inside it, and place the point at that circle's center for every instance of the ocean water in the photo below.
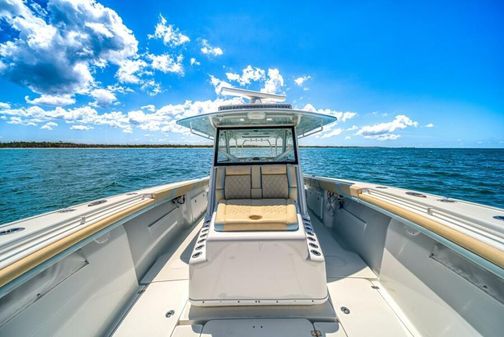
(33, 181)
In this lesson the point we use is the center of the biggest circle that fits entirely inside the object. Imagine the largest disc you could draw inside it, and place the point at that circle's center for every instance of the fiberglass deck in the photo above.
(162, 307)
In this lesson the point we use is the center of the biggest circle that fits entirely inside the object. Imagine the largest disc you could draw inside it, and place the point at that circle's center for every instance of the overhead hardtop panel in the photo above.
(244, 116)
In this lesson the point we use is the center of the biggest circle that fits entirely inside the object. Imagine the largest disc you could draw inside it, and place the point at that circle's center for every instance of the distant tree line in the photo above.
(77, 145)
(110, 146)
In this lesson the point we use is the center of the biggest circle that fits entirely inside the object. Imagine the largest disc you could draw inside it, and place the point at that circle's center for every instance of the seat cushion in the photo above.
(256, 215)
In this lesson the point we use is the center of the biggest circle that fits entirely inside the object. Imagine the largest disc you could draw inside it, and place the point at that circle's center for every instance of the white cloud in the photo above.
(194, 62)
(430, 125)
(81, 127)
(4, 105)
(54, 100)
(151, 87)
(340, 115)
(130, 70)
(149, 107)
(249, 74)
(353, 128)
(58, 47)
(218, 84)
(167, 64)
(49, 126)
(207, 49)
(103, 97)
(301, 80)
(331, 132)
(348, 138)
(384, 131)
(274, 82)
(170, 35)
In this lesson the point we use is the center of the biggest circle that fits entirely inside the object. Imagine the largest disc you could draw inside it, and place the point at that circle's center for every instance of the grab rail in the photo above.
(26, 263)
(364, 192)
(483, 249)
(23, 265)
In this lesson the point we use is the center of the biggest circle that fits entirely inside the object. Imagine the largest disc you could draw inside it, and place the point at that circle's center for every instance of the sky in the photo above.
(422, 74)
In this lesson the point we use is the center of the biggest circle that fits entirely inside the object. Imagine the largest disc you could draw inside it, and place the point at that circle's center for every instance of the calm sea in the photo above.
(34, 181)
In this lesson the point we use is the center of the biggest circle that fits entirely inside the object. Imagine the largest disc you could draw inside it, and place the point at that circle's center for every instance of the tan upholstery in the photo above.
(274, 181)
(256, 182)
(256, 215)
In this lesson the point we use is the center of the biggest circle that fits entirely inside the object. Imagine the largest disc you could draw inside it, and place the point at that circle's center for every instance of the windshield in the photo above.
(255, 145)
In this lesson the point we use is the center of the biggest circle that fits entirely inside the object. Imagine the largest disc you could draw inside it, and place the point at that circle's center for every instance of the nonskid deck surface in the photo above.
(163, 309)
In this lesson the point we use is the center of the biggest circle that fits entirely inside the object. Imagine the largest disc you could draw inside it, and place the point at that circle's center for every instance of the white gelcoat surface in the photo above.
(258, 328)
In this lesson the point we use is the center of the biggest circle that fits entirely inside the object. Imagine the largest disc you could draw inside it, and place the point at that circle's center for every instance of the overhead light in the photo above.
(256, 115)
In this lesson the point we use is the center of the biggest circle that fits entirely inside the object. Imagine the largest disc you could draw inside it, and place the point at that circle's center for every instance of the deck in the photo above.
(358, 305)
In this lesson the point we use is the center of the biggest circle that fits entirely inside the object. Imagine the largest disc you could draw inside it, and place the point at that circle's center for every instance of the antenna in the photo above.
(254, 96)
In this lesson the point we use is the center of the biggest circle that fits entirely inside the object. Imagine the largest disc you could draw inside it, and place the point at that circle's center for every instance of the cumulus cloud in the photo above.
(170, 35)
(384, 131)
(85, 115)
(149, 107)
(103, 97)
(207, 49)
(81, 127)
(130, 70)
(331, 132)
(151, 87)
(194, 62)
(274, 82)
(301, 80)
(249, 74)
(58, 46)
(85, 118)
(55, 100)
(340, 115)
(430, 125)
(49, 126)
(218, 84)
(4, 105)
(167, 64)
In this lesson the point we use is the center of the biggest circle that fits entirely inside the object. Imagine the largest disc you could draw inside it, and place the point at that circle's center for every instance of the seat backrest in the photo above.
(277, 181)
(275, 184)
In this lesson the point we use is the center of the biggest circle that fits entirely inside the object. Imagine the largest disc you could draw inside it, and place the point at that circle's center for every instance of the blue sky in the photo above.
(425, 74)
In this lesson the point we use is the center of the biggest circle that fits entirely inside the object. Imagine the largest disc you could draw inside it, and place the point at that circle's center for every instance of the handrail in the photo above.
(25, 264)
(32, 260)
(182, 188)
(362, 192)
(478, 247)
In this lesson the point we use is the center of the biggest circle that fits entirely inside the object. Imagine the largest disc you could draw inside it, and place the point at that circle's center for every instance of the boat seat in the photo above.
(256, 215)
(256, 182)
(256, 198)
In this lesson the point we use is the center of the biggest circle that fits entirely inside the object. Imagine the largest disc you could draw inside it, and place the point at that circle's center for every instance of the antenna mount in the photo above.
(254, 96)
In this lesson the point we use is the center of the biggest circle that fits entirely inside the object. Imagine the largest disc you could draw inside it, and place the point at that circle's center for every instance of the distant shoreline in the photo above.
(68, 145)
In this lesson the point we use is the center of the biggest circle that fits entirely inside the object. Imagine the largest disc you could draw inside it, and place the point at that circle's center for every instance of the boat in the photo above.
(257, 248)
